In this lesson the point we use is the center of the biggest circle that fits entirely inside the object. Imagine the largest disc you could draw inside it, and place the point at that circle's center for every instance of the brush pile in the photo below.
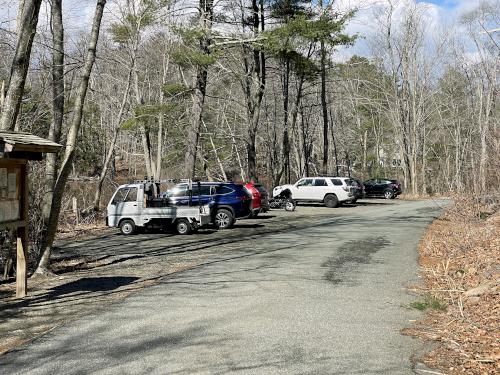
(460, 260)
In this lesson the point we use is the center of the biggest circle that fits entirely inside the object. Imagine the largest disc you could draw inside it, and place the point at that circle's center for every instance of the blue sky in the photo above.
(442, 3)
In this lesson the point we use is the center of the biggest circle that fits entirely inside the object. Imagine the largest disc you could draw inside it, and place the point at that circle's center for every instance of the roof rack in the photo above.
(168, 180)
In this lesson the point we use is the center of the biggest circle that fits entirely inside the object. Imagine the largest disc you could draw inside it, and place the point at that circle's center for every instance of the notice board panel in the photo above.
(10, 192)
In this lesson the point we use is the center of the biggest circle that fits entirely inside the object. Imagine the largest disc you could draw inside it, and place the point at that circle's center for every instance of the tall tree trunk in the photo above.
(161, 119)
(255, 87)
(324, 107)
(293, 113)
(305, 146)
(57, 105)
(72, 138)
(334, 145)
(2, 94)
(20, 64)
(206, 19)
(484, 130)
(216, 154)
(19, 26)
(19, 17)
(290, 116)
(196, 119)
(143, 129)
(111, 150)
(365, 151)
(159, 146)
(286, 138)
(424, 159)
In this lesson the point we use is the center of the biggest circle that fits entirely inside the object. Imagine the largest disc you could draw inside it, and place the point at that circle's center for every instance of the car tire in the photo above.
(331, 201)
(388, 194)
(127, 227)
(183, 227)
(354, 200)
(290, 205)
(224, 219)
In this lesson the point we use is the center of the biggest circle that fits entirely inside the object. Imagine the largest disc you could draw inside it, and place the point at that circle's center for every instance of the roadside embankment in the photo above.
(460, 260)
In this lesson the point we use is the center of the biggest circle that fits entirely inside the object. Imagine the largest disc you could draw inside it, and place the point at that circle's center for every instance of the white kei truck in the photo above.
(139, 205)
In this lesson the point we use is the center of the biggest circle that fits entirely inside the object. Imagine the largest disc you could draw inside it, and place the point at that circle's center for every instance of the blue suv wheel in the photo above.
(223, 219)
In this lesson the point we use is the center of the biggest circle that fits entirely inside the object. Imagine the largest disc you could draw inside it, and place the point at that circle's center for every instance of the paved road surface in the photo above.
(324, 299)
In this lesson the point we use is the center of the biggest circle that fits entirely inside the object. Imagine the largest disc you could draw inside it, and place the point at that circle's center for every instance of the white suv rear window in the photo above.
(337, 181)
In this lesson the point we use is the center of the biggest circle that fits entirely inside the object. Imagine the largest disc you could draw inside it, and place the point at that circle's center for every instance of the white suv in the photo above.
(332, 191)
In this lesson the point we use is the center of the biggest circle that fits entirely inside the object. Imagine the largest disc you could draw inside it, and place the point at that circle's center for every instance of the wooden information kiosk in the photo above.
(16, 149)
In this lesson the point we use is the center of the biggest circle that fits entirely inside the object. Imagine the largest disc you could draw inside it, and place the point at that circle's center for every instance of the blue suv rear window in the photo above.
(223, 190)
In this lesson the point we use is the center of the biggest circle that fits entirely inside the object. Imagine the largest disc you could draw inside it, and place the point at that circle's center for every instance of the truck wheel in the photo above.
(331, 201)
(127, 227)
(183, 226)
(224, 219)
(388, 194)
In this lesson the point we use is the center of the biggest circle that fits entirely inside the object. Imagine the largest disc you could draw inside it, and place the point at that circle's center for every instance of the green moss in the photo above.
(484, 215)
(429, 302)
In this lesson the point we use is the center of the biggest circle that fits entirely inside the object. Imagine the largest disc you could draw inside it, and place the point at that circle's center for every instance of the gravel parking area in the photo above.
(96, 272)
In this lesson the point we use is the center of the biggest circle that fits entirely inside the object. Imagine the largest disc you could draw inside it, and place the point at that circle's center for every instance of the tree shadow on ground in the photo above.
(91, 284)
(248, 225)
(87, 263)
(381, 202)
(263, 217)
(75, 289)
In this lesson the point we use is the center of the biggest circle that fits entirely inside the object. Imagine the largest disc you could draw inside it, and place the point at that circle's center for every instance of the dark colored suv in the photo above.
(357, 189)
(228, 201)
(381, 187)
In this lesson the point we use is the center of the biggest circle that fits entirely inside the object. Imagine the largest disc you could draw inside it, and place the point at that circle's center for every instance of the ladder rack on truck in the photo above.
(139, 205)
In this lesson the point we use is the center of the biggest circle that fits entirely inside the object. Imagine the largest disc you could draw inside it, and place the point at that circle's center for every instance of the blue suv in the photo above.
(228, 201)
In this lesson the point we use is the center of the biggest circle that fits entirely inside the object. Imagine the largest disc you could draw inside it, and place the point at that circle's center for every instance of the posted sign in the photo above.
(10, 194)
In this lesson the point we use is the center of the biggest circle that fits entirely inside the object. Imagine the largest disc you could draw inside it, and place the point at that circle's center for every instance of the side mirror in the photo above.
(113, 203)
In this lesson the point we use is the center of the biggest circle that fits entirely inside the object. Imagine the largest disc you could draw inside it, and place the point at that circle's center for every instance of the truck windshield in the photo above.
(125, 195)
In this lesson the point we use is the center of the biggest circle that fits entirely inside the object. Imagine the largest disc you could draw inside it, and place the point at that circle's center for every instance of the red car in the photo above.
(260, 198)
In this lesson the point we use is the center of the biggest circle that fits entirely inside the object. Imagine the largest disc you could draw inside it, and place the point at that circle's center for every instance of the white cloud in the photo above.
(437, 20)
